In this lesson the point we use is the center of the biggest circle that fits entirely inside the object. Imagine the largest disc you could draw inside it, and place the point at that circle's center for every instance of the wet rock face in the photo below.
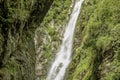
(18, 21)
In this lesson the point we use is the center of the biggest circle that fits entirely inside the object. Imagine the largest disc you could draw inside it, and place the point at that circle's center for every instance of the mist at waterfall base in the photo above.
(63, 57)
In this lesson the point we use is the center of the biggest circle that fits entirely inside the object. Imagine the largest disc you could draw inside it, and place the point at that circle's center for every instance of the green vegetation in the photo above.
(98, 29)
(57, 13)
(96, 49)
(18, 22)
(50, 33)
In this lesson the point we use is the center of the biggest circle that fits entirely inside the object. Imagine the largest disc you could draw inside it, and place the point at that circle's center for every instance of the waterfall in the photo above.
(63, 57)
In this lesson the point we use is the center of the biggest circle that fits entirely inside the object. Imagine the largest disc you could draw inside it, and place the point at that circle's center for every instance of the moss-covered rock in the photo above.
(49, 35)
(18, 21)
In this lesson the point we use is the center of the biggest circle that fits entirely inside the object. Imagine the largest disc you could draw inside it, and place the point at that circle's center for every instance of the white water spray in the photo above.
(62, 59)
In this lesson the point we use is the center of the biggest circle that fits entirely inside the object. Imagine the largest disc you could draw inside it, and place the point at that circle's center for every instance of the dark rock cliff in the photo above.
(18, 21)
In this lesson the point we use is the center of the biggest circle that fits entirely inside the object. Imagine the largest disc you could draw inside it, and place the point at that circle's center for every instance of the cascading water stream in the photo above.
(62, 59)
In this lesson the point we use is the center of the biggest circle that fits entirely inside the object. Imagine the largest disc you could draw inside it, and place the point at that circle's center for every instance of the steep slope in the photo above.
(18, 21)
(49, 35)
(96, 52)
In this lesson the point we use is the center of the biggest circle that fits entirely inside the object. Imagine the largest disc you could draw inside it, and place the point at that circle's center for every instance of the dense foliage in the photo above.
(96, 49)
(96, 52)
